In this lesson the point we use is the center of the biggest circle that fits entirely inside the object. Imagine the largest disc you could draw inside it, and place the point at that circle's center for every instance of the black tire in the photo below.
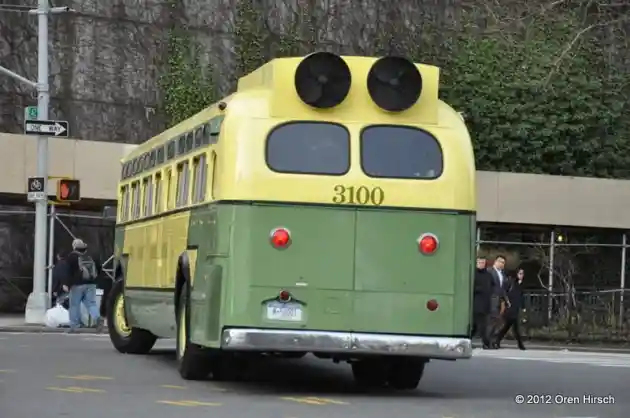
(136, 341)
(370, 374)
(194, 362)
(405, 373)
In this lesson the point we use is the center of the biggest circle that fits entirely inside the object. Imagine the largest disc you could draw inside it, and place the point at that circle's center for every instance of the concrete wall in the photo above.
(502, 197)
(96, 164)
(553, 200)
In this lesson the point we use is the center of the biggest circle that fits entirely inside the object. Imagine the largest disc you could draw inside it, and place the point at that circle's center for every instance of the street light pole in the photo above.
(37, 301)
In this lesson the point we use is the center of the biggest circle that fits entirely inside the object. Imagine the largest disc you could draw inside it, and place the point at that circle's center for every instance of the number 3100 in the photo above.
(358, 195)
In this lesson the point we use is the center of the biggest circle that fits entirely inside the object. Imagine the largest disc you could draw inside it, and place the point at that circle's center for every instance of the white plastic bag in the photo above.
(57, 316)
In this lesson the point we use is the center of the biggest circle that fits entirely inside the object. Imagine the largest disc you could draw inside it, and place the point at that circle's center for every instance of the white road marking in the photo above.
(559, 357)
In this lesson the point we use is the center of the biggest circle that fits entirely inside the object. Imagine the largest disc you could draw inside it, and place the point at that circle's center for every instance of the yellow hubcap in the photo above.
(120, 322)
(182, 333)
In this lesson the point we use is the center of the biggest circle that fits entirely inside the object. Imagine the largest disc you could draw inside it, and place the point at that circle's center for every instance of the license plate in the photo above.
(284, 312)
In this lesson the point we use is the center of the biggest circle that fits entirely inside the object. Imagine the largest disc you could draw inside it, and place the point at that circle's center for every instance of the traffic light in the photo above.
(68, 190)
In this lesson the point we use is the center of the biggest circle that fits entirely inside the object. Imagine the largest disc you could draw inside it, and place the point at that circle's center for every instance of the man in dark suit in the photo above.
(499, 299)
(482, 296)
(513, 313)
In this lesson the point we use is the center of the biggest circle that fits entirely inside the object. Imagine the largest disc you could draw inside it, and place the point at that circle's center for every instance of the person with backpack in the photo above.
(81, 284)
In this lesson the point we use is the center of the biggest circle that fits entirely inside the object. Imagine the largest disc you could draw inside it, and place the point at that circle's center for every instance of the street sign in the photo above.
(35, 189)
(30, 113)
(58, 128)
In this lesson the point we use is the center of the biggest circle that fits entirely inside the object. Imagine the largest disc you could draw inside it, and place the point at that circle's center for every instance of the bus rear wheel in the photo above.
(397, 373)
(194, 362)
(126, 339)
(405, 373)
(370, 374)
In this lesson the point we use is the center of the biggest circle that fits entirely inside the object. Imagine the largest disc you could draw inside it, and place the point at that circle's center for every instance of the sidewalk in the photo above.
(588, 348)
(15, 323)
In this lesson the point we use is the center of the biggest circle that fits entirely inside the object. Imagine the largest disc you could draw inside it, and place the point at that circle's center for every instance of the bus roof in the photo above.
(275, 80)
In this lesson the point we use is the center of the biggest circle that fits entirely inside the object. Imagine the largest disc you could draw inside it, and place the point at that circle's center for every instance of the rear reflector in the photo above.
(432, 305)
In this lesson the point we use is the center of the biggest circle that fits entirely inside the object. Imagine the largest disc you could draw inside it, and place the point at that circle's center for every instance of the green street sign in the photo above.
(30, 113)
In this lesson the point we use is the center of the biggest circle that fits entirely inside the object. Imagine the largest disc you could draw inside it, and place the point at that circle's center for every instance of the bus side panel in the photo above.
(209, 236)
(464, 275)
(317, 268)
(394, 280)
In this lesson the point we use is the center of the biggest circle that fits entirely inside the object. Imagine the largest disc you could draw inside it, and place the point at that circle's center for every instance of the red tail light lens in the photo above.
(432, 305)
(280, 238)
(428, 244)
(284, 296)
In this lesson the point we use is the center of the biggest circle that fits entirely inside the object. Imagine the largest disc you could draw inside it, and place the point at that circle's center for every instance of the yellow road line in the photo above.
(326, 400)
(173, 387)
(313, 400)
(85, 377)
(7, 371)
(75, 389)
(189, 403)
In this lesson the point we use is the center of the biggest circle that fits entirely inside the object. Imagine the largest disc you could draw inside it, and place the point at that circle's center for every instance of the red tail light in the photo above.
(432, 305)
(280, 238)
(428, 244)
(284, 296)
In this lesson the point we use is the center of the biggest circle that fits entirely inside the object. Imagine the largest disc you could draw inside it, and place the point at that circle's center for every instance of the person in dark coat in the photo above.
(512, 315)
(482, 299)
(59, 273)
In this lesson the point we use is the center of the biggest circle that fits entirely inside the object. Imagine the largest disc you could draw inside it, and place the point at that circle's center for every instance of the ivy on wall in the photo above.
(530, 110)
(187, 86)
(531, 106)
(250, 42)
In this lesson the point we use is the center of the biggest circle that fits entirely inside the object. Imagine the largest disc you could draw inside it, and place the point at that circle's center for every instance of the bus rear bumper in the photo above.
(345, 343)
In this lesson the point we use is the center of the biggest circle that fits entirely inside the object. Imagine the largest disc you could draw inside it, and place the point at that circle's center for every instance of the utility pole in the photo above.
(37, 301)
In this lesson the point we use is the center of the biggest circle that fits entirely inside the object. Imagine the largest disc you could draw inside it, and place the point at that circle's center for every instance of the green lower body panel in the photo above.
(352, 274)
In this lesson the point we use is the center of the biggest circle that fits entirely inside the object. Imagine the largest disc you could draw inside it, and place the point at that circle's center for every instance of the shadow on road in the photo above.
(307, 376)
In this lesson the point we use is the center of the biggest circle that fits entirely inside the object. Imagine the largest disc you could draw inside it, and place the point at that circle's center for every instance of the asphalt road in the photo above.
(81, 376)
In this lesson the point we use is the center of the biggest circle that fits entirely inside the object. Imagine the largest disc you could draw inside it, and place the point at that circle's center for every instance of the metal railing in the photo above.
(583, 316)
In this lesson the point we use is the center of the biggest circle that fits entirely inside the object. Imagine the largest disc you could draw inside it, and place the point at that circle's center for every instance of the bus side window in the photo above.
(169, 189)
(135, 207)
(158, 193)
(200, 173)
(213, 175)
(147, 193)
(124, 203)
(182, 184)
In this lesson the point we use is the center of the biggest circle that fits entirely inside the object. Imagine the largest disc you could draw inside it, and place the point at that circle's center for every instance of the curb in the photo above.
(38, 329)
(583, 349)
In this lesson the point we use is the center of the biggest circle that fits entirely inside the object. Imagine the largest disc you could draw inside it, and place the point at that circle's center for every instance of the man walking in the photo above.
(513, 313)
(499, 298)
(81, 284)
(483, 290)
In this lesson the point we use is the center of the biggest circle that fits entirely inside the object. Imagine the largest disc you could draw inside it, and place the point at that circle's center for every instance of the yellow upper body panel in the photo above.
(267, 98)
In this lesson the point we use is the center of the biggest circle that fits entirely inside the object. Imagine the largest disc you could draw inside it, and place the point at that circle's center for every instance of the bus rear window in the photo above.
(309, 148)
(400, 152)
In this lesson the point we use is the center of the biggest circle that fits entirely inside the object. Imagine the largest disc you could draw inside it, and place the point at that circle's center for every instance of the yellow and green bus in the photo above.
(325, 207)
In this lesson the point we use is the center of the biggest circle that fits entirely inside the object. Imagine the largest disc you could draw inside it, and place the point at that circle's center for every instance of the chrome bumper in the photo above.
(252, 339)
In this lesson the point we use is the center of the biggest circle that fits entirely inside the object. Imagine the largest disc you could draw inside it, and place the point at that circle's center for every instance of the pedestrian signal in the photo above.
(68, 190)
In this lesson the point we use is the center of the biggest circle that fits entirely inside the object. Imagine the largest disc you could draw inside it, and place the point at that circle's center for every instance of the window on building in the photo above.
(158, 193)
(200, 174)
(309, 148)
(182, 184)
(400, 152)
